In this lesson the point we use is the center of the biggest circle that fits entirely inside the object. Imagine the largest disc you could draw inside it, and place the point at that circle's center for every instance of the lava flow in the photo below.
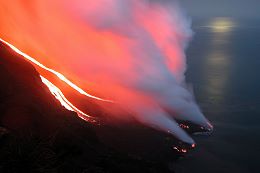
(129, 54)
(55, 90)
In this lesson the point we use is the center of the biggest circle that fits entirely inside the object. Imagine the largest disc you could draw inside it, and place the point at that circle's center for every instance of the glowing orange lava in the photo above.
(85, 50)
(55, 90)
(59, 75)
(64, 101)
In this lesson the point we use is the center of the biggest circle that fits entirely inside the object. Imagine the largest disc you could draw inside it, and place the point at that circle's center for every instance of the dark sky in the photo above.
(222, 8)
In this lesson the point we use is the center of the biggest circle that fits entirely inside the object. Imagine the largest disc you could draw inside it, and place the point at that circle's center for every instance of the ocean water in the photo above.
(224, 69)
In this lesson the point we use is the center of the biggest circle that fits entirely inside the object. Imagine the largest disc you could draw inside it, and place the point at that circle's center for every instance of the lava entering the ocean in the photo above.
(130, 52)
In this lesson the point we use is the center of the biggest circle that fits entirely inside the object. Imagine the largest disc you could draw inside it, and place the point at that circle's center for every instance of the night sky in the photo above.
(222, 8)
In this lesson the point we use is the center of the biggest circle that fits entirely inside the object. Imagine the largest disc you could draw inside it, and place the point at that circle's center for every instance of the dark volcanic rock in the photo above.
(37, 134)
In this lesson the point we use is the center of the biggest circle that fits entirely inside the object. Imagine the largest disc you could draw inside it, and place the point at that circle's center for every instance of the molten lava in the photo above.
(55, 90)
(59, 75)
(129, 52)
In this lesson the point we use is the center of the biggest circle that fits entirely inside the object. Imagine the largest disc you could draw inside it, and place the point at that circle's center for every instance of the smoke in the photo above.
(129, 51)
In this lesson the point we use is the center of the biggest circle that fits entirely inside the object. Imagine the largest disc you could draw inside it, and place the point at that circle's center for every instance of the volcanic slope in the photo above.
(37, 134)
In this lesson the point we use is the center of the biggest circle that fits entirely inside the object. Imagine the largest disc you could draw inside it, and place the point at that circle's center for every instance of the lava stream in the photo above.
(55, 90)
(59, 75)
(64, 101)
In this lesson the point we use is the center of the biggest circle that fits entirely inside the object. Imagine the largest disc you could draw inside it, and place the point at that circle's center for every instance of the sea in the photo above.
(223, 68)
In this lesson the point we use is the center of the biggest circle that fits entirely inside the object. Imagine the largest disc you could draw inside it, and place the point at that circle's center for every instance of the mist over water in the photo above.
(223, 63)
(132, 52)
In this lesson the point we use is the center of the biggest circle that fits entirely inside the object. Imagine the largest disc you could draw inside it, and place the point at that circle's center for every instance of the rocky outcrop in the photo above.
(37, 134)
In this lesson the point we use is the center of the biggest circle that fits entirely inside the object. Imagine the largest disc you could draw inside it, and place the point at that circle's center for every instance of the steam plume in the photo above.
(129, 51)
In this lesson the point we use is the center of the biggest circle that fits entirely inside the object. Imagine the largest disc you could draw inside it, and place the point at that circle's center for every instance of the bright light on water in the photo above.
(222, 24)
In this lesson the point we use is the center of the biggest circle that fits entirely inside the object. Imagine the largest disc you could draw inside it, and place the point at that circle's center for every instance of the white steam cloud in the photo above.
(129, 50)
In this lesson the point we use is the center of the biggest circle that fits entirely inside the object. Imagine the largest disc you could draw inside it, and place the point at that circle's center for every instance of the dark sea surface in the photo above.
(224, 69)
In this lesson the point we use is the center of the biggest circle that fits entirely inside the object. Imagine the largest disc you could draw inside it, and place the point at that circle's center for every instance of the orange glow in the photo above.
(59, 75)
(64, 101)
(184, 126)
(55, 90)
(184, 150)
(122, 59)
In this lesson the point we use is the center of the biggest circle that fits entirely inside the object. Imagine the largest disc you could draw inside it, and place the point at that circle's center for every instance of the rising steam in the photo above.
(128, 51)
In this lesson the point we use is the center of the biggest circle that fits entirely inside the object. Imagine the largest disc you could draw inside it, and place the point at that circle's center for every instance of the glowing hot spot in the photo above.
(59, 75)
(55, 90)
(113, 49)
